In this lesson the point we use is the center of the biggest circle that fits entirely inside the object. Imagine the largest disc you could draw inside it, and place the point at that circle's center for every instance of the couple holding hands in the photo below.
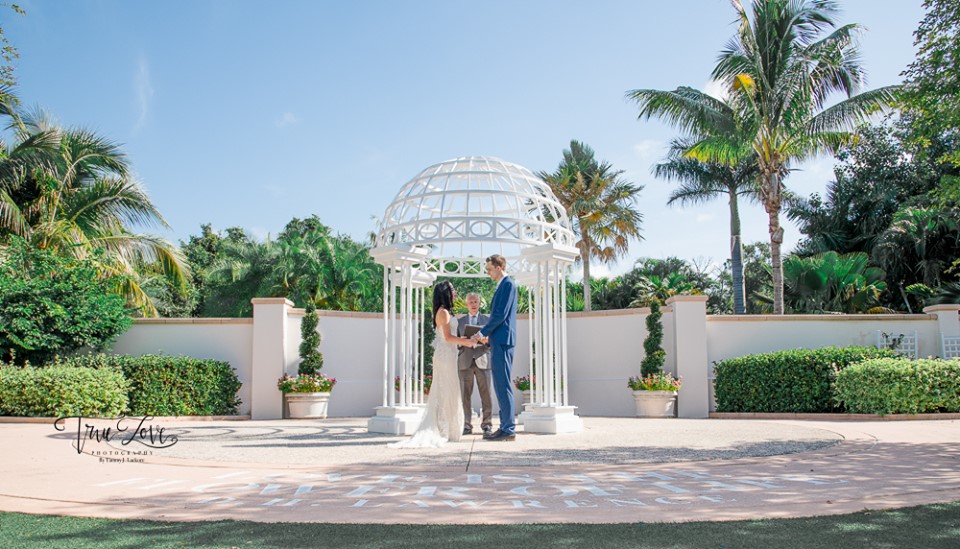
(448, 403)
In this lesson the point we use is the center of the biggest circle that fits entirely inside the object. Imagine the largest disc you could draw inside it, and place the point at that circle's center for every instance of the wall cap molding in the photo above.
(147, 321)
(271, 301)
(816, 318)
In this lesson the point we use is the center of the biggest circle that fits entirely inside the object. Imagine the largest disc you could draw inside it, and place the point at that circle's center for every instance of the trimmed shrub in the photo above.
(312, 359)
(172, 385)
(62, 391)
(799, 380)
(900, 386)
(654, 355)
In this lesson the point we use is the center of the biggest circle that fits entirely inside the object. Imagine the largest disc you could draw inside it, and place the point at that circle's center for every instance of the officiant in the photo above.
(474, 365)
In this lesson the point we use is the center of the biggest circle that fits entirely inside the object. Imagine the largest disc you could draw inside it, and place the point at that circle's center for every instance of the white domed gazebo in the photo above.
(445, 222)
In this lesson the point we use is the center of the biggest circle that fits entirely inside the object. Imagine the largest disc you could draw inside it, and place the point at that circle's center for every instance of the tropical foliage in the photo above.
(71, 191)
(52, 305)
(883, 203)
(931, 96)
(779, 70)
(601, 205)
(831, 282)
(306, 263)
(701, 181)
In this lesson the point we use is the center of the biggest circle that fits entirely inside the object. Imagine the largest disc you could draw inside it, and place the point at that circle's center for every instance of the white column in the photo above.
(536, 393)
(386, 337)
(563, 337)
(269, 356)
(690, 351)
(530, 309)
(418, 319)
(551, 412)
(948, 323)
(392, 338)
(548, 323)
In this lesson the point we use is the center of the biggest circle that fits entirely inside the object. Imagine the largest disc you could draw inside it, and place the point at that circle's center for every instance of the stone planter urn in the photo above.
(307, 405)
(656, 403)
(522, 405)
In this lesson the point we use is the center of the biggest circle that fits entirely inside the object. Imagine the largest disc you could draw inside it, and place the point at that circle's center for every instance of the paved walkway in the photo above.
(616, 470)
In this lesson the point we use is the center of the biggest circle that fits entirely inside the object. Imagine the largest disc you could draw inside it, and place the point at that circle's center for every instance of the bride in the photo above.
(443, 420)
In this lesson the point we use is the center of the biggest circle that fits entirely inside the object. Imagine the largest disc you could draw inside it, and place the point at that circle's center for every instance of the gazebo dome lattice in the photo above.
(469, 208)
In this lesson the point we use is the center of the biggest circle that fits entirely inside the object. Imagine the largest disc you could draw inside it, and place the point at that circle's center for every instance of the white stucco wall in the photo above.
(605, 348)
(732, 336)
(352, 347)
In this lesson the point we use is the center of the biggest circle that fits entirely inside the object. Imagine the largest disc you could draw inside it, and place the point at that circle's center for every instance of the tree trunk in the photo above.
(585, 258)
(736, 257)
(771, 204)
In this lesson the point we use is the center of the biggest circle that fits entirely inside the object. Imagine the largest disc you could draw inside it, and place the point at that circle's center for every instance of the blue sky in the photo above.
(242, 113)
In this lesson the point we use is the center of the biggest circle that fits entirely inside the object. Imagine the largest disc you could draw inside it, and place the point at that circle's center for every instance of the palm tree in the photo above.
(703, 181)
(242, 270)
(908, 244)
(780, 72)
(350, 276)
(71, 191)
(652, 288)
(601, 206)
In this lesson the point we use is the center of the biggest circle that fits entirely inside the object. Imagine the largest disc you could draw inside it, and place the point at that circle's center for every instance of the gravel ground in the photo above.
(614, 441)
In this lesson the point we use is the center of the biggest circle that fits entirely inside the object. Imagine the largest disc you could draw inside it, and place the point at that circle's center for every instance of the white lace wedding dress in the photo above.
(443, 420)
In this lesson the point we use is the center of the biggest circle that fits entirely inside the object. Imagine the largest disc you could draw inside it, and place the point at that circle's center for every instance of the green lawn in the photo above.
(929, 527)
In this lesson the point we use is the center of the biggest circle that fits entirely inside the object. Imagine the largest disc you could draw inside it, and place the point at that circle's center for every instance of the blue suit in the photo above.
(501, 328)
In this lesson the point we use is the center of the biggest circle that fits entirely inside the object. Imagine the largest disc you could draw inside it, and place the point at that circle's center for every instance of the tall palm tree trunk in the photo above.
(585, 258)
(772, 204)
(736, 257)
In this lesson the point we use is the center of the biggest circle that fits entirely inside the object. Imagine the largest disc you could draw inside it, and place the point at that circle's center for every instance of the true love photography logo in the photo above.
(106, 434)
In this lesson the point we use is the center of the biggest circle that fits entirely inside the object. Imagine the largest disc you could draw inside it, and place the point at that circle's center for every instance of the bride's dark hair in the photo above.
(442, 298)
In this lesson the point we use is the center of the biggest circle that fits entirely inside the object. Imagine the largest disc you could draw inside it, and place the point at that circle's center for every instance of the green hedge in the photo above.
(163, 385)
(799, 380)
(900, 386)
(62, 391)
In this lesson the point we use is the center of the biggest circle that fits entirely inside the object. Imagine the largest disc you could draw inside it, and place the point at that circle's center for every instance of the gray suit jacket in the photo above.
(480, 353)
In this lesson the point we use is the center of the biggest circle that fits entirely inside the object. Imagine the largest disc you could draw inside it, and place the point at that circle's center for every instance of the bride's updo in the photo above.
(442, 298)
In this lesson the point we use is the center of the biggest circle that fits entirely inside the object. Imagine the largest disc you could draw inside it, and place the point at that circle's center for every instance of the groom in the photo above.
(501, 332)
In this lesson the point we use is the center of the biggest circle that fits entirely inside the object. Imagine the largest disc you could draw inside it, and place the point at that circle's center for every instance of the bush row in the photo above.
(62, 391)
(799, 380)
(163, 385)
(900, 386)
(149, 385)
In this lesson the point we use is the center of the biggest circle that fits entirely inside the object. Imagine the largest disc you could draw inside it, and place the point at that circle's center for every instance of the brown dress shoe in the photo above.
(500, 435)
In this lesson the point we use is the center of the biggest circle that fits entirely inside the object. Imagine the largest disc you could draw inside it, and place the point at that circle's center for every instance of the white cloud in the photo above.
(715, 89)
(650, 150)
(259, 233)
(286, 119)
(705, 217)
(597, 270)
(144, 89)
